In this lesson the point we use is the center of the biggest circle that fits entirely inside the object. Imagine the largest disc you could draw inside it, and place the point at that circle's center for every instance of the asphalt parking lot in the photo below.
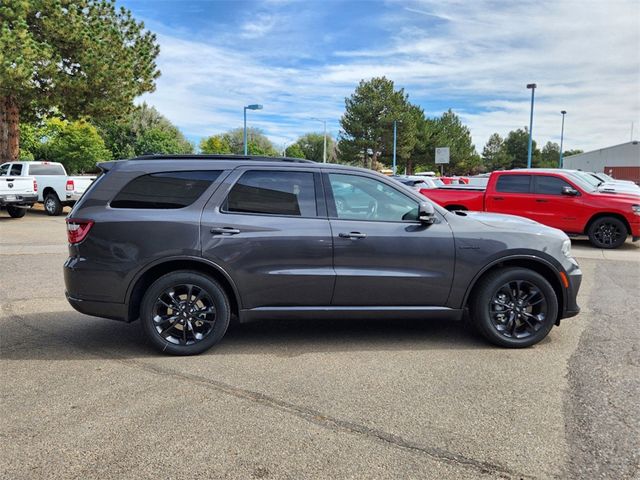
(86, 398)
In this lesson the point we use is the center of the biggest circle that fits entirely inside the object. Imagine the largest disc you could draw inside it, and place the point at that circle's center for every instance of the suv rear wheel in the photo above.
(184, 313)
(514, 307)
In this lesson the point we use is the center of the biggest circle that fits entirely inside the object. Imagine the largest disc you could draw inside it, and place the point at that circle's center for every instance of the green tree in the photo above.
(77, 145)
(83, 58)
(144, 130)
(215, 144)
(312, 145)
(295, 151)
(494, 154)
(549, 157)
(575, 151)
(516, 145)
(233, 142)
(367, 123)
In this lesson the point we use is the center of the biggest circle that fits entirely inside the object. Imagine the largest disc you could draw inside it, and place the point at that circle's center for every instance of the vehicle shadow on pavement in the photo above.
(71, 336)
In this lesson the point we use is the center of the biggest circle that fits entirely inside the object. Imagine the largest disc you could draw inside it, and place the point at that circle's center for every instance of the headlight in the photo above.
(566, 248)
(636, 209)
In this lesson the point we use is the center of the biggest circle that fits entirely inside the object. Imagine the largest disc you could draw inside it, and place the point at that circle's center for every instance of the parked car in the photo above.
(57, 190)
(562, 199)
(609, 179)
(418, 182)
(609, 186)
(182, 242)
(17, 194)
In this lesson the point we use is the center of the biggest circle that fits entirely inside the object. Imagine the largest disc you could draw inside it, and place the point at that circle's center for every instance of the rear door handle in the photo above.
(498, 198)
(352, 235)
(224, 231)
(541, 200)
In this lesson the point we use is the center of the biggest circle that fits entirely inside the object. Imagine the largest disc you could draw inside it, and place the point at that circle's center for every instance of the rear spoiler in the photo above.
(106, 166)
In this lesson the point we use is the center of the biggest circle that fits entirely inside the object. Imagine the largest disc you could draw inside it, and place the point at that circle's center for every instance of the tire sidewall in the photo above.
(219, 297)
(598, 223)
(15, 212)
(57, 205)
(480, 306)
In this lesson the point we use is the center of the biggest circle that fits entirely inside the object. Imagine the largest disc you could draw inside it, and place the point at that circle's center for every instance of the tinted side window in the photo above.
(4, 169)
(275, 193)
(363, 198)
(16, 169)
(165, 190)
(550, 185)
(45, 169)
(513, 183)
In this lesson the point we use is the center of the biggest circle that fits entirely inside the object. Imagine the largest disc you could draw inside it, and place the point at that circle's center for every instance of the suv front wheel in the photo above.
(514, 307)
(184, 313)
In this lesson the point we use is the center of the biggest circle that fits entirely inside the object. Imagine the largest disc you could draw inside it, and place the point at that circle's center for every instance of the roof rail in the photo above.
(253, 158)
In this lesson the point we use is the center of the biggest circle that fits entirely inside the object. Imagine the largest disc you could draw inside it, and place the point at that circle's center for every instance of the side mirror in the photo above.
(426, 213)
(567, 190)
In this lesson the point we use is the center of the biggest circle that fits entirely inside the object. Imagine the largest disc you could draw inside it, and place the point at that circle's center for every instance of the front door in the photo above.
(269, 232)
(383, 256)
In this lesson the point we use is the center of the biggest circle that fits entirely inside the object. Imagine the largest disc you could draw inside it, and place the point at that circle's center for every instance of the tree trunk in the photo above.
(9, 129)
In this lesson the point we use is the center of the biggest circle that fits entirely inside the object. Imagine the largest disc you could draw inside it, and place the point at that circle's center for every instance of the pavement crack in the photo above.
(305, 413)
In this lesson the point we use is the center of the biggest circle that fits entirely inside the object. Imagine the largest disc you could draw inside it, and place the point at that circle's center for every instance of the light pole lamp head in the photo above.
(255, 106)
(563, 112)
(531, 85)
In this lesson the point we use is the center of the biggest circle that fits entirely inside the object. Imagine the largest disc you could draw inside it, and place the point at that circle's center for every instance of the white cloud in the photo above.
(475, 57)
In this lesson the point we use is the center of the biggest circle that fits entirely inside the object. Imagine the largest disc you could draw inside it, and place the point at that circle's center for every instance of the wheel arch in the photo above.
(151, 273)
(600, 215)
(537, 264)
(48, 190)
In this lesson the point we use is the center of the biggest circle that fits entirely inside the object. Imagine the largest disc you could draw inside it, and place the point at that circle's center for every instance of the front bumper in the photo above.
(18, 199)
(571, 308)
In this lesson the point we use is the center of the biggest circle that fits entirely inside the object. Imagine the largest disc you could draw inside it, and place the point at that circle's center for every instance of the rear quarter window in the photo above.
(166, 190)
(514, 184)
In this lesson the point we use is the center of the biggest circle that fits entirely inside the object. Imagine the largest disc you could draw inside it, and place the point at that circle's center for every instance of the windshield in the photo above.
(585, 181)
(438, 182)
(605, 177)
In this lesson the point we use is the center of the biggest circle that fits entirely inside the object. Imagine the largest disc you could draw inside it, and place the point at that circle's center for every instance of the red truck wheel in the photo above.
(607, 232)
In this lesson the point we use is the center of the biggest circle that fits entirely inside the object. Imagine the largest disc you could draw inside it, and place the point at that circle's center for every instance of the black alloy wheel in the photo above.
(607, 232)
(514, 307)
(185, 313)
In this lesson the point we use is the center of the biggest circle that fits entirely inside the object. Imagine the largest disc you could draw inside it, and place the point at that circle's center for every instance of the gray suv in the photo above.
(185, 242)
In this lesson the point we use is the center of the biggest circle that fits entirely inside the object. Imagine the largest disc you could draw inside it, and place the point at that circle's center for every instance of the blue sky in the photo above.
(301, 59)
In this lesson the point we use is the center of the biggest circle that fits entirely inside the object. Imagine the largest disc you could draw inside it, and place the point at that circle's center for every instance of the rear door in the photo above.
(383, 256)
(512, 194)
(269, 230)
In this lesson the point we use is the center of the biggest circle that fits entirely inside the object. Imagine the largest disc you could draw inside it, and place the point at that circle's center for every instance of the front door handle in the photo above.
(541, 200)
(498, 198)
(352, 235)
(224, 231)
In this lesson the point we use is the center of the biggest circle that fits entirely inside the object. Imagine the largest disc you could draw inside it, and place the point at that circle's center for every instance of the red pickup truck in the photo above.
(564, 199)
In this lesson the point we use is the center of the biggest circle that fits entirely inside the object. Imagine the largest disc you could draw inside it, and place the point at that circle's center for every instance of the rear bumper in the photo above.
(18, 199)
(73, 197)
(113, 311)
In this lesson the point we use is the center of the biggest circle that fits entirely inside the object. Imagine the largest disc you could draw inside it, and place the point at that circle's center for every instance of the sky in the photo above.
(300, 59)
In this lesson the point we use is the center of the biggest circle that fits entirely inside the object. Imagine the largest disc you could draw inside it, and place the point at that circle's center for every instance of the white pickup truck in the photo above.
(55, 189)
(17, 193)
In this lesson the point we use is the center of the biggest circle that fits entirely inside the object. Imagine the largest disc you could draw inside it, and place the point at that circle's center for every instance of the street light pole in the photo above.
(563, 112)
(395, 137)
(254, 106)
(324, 144)
(532, 86)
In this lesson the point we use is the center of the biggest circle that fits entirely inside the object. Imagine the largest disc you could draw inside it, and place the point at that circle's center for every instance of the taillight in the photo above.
(69, 185)
(35, 185)
(77, 229)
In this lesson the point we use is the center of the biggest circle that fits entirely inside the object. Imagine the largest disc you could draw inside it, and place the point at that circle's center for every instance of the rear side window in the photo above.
(165, 190)
(45, 169)
(273, 193)
(550, 185)
(16, 170)
(514, 183)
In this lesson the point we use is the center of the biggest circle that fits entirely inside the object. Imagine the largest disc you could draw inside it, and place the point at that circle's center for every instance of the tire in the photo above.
(607, 232)
(520, 325)
(175, 331)
(52, 205)
(16, 212)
